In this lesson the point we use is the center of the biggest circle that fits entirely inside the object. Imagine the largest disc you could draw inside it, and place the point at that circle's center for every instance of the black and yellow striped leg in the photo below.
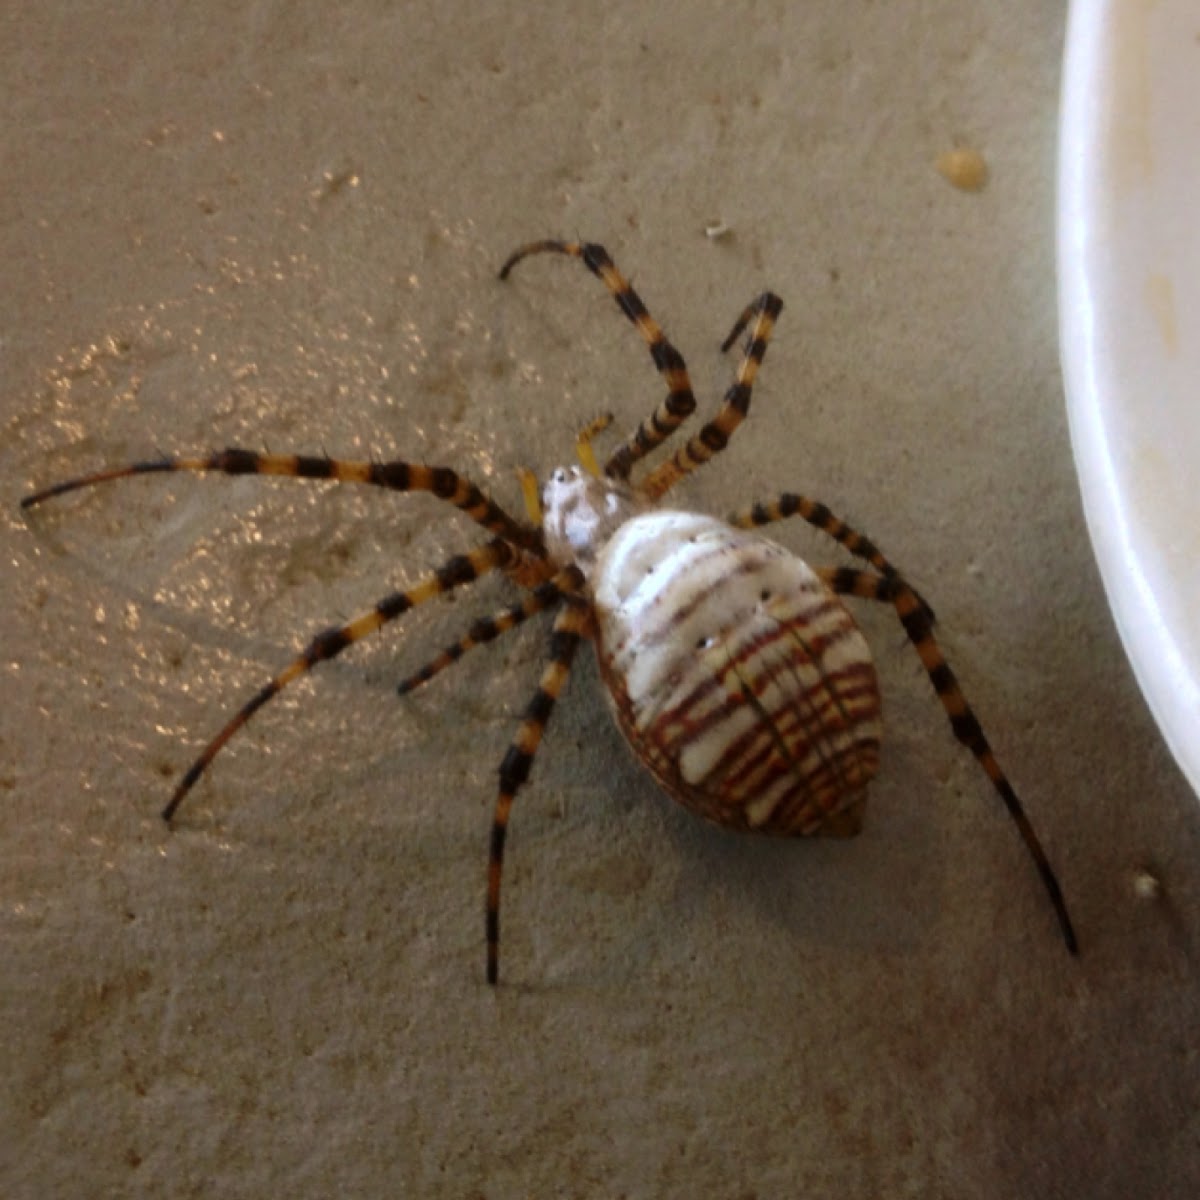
(715, 435)
(395, 476)
(486, 629)
(819, 516)
(748, 313)
(461, 569)
(570, 627)
(917, 625)
(680, 403)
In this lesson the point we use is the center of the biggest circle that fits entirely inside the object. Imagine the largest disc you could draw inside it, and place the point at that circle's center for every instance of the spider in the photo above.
(733, 668)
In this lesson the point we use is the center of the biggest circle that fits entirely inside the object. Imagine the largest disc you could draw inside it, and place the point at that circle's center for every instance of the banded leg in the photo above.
(329, 643)
(396, 476)
(680, 403)
(917, 625)
(747, 313)
(486, 629)
(570, 626)
(819, 516)
(715, 435)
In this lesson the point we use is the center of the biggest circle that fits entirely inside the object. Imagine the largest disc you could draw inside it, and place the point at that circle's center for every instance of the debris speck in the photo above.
(1146, 886)
(715, 230)
(964, 168)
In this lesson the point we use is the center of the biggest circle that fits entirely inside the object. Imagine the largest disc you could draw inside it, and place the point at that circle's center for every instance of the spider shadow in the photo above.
(874, 893)
(660, 888)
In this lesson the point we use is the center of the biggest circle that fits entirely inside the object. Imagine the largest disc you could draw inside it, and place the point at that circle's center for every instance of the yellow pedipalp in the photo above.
(583, 444)
(530, 494)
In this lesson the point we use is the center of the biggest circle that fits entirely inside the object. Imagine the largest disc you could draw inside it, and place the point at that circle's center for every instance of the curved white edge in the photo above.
(1110, 244)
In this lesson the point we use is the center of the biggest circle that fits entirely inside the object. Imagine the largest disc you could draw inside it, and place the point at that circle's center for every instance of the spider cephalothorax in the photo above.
(581, 512)
(733, 668)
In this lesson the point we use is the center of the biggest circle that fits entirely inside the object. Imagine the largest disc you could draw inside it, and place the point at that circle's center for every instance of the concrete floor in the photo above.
(277, 226)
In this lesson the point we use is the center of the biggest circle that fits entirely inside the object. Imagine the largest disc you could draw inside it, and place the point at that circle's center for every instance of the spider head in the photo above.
(580, 512)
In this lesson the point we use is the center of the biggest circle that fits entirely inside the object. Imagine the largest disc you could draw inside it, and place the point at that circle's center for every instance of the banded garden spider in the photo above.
(733, 669)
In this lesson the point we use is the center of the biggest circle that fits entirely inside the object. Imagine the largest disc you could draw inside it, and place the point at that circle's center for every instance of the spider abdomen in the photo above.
(737, 676)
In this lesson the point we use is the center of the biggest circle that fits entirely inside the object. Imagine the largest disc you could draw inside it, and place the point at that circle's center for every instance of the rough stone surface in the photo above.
(278, 226)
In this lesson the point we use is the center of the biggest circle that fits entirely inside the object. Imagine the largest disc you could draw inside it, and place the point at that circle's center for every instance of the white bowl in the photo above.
(1129, 322)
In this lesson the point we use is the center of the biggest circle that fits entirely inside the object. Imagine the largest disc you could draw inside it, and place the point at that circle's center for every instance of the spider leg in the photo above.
(680, 403)
(918, 626)
(715, 435)
(461, 569)
(396, 476)
(742, 321)
(486, 629)
(570, 626)
(818, 515)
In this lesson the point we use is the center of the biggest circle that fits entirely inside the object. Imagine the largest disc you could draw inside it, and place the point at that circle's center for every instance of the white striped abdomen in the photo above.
(739, 679)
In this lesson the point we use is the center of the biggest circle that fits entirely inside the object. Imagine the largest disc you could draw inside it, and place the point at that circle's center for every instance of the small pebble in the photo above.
(1146, 886)
(965, 169)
